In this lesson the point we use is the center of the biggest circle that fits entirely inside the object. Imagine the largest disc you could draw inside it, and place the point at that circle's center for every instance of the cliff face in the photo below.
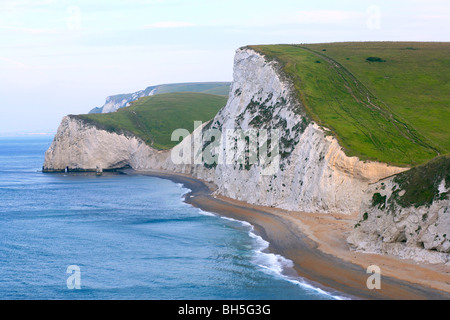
(80, 146)
(114, 103)
(314, 174)
(414, 228)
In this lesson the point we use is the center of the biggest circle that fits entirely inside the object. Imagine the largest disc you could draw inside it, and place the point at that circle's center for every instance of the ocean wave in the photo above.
(184, 190)
(274, 264)
(206, 213)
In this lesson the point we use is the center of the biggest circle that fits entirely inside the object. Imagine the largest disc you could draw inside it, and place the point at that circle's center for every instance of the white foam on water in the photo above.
(276, 264)
(206, 213)
(184, 190)
(273, 264)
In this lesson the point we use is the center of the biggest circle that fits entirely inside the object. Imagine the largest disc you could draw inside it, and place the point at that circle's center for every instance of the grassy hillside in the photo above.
(219, 88)
(421, 184)
(383, 101)
(154, 118)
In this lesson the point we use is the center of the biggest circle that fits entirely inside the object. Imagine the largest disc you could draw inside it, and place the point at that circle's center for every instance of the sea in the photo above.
(124, 237)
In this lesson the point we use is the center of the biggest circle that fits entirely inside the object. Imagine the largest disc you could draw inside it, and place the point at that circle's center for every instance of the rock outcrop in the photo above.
(83, 147)
(395, 219)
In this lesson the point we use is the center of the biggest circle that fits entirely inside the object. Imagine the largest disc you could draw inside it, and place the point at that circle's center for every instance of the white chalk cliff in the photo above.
(80, 146)
(417, 232)
(314, 174)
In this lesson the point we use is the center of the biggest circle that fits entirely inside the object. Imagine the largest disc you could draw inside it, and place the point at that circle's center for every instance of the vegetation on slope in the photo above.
(420, 185)
(154, 118)
(383, 101)
(219, 88)
(414, 81)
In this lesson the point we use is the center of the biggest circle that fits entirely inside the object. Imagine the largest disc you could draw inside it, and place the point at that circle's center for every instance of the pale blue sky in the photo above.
(65, 56)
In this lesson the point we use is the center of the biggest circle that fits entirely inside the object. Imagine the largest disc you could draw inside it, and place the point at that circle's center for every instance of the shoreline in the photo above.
(315, 243)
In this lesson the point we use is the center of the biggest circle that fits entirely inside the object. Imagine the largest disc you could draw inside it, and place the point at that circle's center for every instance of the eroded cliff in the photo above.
(82, 147)
(408, 215)
(314, 174)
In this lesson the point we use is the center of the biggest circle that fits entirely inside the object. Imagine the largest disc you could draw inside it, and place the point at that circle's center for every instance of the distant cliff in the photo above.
(115, 102)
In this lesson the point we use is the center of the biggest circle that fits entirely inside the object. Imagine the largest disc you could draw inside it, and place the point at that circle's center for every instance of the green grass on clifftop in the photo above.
(154, 118)
(384, 101)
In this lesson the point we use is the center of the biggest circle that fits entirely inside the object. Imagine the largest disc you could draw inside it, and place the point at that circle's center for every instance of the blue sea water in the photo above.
(132, 237)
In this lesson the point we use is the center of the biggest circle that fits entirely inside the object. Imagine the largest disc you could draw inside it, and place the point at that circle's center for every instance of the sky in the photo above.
(60, 57)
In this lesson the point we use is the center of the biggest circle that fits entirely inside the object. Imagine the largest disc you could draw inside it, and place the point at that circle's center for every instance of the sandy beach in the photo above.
(316, 244)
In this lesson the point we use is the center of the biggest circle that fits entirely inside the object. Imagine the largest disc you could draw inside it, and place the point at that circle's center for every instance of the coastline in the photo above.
(315, 243)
